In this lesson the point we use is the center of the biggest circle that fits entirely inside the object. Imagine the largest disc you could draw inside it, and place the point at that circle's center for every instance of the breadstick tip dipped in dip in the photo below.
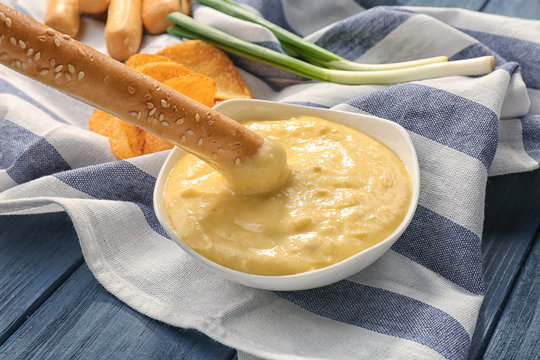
(250, 163)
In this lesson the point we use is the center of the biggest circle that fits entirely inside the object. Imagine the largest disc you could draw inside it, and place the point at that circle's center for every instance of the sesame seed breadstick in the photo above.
(80, 71)
(64, 16)
(124, 28)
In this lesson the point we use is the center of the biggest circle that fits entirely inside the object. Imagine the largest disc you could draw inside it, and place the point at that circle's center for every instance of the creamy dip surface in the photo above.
(346, 192)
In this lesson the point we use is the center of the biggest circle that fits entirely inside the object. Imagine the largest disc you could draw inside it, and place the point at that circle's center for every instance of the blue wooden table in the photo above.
(52, 307)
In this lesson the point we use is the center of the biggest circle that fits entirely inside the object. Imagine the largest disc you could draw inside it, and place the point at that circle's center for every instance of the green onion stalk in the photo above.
(189, 28)
(306, 49)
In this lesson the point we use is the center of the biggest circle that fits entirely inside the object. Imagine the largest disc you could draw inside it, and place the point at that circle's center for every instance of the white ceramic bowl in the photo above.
(391, 134)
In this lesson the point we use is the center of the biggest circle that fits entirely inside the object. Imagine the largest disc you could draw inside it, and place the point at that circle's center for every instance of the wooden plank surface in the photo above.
(517, 335)
(38, 254)
(81, 320)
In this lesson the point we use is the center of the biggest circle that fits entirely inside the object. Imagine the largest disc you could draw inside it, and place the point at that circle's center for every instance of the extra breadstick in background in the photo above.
(64, 16)
(58, 60)
(154, 14)
(93, 6)
(123, 31)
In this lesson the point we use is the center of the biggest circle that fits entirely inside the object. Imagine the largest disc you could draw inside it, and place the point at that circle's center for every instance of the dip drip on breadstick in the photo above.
(57, 60)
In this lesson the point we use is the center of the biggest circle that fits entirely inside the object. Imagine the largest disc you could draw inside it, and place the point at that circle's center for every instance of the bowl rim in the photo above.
(288, 281)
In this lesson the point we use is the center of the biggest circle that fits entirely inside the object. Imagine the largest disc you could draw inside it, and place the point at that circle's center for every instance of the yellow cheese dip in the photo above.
(346, 192)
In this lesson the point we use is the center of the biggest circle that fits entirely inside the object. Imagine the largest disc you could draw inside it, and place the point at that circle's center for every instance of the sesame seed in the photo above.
(157, 88)
(58, 68)
(68, 76)
(164, 103)
(29, 52)
(106, 79)
(58, 76)
(161, 117)
(50, 31)
(214, 156)
(24, 66)
(18, 64)
(131, 90)
(8, 22)
(2, 16)
(134, 114)
(42, 38)
(37, 55)
(183, 138)
(174, 108)
(29, 61)
(189, 132)
(3, 56)
(233, 133)
(91, 57)
(44, 72)
(164, 123)
(57, 42)
(82, 52)
(200, 141)
(147, 97)
(52, 62)
(149, 104)
(237, 161)
(80, 75)
(180, 121)
(22, 44)
(66, 37)
(210, 122)
(71, 68)
(152, 112)
(220, 149)
(13, 41)
(197, 117)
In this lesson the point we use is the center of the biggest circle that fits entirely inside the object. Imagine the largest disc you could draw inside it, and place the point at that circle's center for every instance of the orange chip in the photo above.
(163, 71)
(100, 122)
(203, 58)
(139, 60)
(196, 86)
(153, 144)
(125, 142)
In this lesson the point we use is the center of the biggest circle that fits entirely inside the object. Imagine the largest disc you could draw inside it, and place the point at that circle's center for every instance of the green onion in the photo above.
(189, 28)
(306, 49)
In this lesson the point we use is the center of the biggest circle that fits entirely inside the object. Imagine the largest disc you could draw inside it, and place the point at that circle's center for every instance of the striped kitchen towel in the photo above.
(420, 300)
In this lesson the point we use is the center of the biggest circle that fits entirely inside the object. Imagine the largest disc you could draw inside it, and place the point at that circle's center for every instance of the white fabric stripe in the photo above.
(394, 272)
(516, 103)
(444, 173)
(47, 187)
(6, 181)
(77, 147)
(428, 43)
(490, 23)
(258, 87)
(233, 26)
(534, 96)
(65, 107)
(151, 163)
(306, 18)
(486, 90)
(511, 156)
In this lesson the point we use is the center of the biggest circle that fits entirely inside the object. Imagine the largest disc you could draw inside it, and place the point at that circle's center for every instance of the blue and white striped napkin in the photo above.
(421, 300)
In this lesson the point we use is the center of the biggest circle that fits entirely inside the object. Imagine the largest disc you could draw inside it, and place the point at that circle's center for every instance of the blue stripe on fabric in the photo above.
(445, 248)
(7, 87)
(387, 313)
(270, 10)
(352, 37)
(531, 135)
(436, 114)
(525, 53)
(26, 156)
(118, 181)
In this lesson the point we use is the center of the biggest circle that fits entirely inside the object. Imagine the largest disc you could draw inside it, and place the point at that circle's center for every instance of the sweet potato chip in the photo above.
(153, 144)
(203, 58)
(196, 86)
(163, 71)
(138, 60)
